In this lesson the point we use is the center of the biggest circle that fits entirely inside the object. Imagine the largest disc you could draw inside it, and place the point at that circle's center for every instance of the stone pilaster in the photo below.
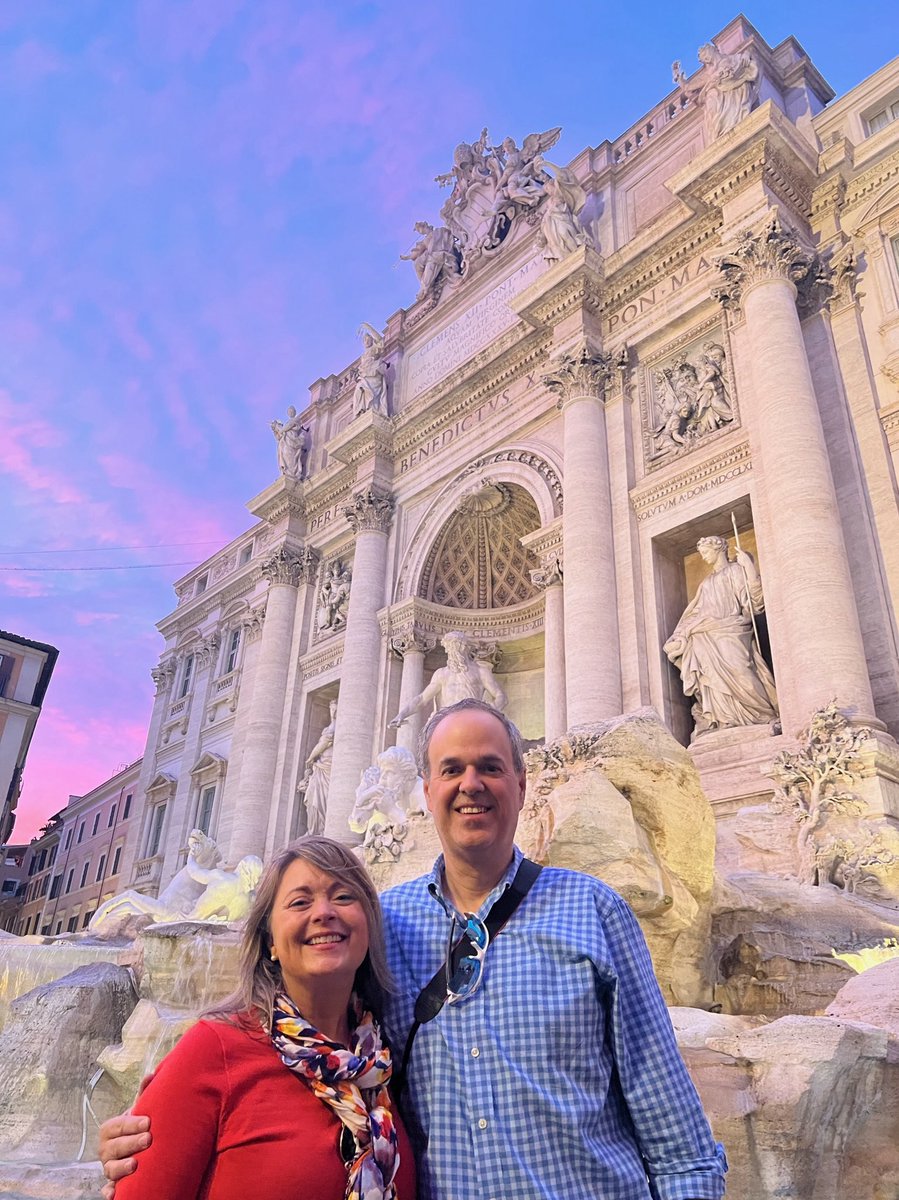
(369, 513)
(549, 577)
(816, 623)
(250, 813)
(412, 649)
(592, 671)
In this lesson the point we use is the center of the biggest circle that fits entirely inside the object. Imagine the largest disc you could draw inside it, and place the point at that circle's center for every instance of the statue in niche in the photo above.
(371, 388)
(692, 401)
(293, 445)
(317, 778)
(715, 649)
(463, 678)
(201, 891)
(560, 230)
(334, 597)
(727, 91)
(434, 257)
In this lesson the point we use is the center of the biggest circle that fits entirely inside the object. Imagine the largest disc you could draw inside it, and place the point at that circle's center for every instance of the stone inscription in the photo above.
(433, 445)
(662, 291)
(469, 333)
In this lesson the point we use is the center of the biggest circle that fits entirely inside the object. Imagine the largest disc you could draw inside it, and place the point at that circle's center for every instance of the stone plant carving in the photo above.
(491, 187)
(371, 386)
(727, 90)
(714, 646)
(334, 597)
(815, 784)
(293, 445)
(690, 401)
(390, 791)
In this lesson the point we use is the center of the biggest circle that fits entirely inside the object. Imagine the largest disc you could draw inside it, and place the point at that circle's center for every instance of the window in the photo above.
(156, 830)
(69, 880)
(233, 647)
(69, 837)
(84, 871)
(96, 824)
(883, 117)
(116, 858)
(202, 584)
(187, 676)
(54, 887)
(204, 808)
(45, 930)
(52, 858)
(81, 832)
(87, 917)
(58, 927)
(8, 888)
(43, 859)
(111, 821)
(32, 866)
(246, 554)
(127, 813)
(6, 665)
(24, 932)
(73, 924)
(101, 867)
(45, 883)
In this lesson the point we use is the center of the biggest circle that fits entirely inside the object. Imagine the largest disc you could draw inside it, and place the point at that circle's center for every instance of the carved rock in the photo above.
(872, 997)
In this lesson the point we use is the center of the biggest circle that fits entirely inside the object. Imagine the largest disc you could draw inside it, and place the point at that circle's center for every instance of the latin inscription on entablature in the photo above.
(655, 295)
(434, 445)
(472, 331)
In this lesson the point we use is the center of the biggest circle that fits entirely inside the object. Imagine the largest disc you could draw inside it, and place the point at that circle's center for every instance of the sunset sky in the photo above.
(200, 201)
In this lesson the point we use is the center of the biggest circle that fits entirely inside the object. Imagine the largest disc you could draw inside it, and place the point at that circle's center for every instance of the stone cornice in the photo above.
(285, 497)
(546, 541)
(329, 657)
(370, 435)
(195, 612)
(890, 423)
(421, 618)
(864, 185)
(649, 499)
(573, 284)
(624, 283)
(331, 491)
(370, 510)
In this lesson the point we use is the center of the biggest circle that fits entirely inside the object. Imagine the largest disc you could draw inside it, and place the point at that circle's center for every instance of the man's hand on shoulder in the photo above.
(120, 1138)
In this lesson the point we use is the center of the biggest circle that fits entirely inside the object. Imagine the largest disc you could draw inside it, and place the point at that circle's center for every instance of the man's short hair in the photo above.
(424, 741)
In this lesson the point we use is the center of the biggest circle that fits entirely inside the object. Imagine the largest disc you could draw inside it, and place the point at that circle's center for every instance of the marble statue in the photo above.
(317, 778)
(692, 401)
(201, 891)
(560, 230)
(714, 648)
(388, 792)
(334, 597)
(464, 677)
(434, 257)
(227, 895)
(371, 388)
(728, 89)
(293, 445)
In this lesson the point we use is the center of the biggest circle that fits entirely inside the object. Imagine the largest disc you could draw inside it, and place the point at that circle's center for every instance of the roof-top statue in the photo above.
(727, 88)
(490, 187)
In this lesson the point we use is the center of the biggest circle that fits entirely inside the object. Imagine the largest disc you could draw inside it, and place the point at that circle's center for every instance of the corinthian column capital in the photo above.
(371, 508)
(579, 372)
(282, 567)
(549, 573)
(771, 251)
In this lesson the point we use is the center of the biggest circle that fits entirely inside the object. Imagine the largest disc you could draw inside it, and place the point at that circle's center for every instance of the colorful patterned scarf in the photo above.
(352, 1082)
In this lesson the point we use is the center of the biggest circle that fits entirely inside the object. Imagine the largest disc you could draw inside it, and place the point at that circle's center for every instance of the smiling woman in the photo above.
(292, 1061)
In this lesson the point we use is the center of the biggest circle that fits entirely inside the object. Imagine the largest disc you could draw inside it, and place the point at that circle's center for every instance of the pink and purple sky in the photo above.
(201, 200)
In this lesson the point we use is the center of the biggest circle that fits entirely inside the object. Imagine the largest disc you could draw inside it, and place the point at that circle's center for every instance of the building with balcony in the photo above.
(25, 671)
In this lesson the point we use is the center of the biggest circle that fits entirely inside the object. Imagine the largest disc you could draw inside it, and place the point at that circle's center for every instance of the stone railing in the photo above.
(147, 871)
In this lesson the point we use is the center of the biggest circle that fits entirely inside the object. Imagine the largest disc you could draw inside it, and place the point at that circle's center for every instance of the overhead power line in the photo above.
(123, 567)
(101, 549)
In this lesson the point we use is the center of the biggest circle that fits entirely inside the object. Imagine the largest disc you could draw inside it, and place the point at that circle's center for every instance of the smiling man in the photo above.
(551, 1072)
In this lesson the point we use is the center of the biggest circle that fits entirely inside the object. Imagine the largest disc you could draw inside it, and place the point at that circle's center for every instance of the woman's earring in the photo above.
(273, 955)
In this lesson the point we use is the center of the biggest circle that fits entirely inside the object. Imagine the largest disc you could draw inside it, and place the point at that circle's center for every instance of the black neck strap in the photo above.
(432, 996)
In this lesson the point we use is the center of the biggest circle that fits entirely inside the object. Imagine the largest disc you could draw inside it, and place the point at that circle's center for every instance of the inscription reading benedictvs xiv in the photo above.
(464, 337)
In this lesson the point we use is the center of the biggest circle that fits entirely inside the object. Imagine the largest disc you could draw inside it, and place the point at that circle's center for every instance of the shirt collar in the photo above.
(436, 877)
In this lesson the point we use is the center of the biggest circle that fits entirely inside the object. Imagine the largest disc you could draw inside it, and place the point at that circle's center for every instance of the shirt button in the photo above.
(482, 1124)
(475, 1052)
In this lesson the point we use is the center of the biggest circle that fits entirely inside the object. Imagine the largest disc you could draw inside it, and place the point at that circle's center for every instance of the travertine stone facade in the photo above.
(531, 451)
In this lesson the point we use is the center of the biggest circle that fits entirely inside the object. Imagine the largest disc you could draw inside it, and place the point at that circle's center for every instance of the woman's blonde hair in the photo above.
(259, 979)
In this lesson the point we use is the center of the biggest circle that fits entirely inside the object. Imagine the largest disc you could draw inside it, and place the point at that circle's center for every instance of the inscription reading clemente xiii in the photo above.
(475, 329)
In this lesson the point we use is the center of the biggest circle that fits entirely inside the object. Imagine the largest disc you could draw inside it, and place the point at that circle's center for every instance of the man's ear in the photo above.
(522, 788)
(426, 784)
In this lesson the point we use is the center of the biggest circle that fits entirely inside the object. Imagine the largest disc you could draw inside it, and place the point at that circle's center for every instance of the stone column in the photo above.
(815, 635)
(250, 816)
(592, 668)
(369, 514)
(549, 578)
(412, 650)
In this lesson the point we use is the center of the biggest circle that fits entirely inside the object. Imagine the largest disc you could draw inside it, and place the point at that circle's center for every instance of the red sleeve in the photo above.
(184, 1104)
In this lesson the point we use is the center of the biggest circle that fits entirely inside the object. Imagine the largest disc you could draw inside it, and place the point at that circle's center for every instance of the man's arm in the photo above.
(429, 694)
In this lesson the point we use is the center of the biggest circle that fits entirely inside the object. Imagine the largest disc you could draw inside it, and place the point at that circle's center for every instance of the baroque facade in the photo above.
(687, 334)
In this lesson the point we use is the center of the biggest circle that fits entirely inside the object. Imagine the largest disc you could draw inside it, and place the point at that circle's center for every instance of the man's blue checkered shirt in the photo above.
(560, 1078)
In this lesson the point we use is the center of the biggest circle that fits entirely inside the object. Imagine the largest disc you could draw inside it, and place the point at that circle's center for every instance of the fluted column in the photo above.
(369, 514)
(816, 629)
(257, 773)
(412, 650)
(592, 667)
(549, 578)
